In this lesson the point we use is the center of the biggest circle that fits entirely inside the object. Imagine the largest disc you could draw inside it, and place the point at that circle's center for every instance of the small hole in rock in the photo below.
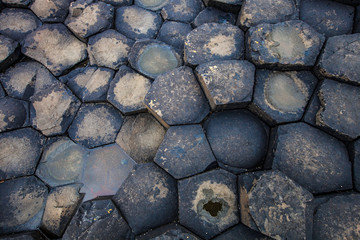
(213, 208)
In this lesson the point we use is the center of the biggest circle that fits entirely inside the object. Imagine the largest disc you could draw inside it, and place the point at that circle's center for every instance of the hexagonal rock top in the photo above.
(174, 33)
(312, 158)
(290, 44)
(148, 192)
(208, 203)
(176, 98)
(55, 47)
(170, 231)
(51, 10)
(181, 10)
(13, 114)
(213, 41)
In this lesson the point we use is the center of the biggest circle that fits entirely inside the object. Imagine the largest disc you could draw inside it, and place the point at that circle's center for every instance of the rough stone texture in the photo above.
(119, 2)
(98, 219)
(340, 58)
(51, 10)
(137, 23)
(16, 3)
(225, 5)
(240, 231)
(109, 49)
(55, 47)
(213, 41)
(95, 124)
(2, 92)
(151, 4)
(184, 151)
(208, 203)
(176, 98)
(20, 151)
(355, 152)
(13, 114)
(148, 192)
(181, 10)
(22, 203)
(312, 158)
(32, 235)
(9, 52)
(209, 15)
(357, 20)
(128, 90)
(140, 136)
(291, 44)
(171, 231)
(228, 83)
(174, 33)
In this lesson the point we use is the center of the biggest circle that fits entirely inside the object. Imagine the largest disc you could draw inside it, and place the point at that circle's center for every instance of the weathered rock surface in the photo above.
(151, 4)
(174, 33)
(209, 15)
(51, 10)
(171, 231)
(241, 231)
(225, 5)
(181, 10)
(9, 52)
(13, 114)
(16, 3)
(355, 155)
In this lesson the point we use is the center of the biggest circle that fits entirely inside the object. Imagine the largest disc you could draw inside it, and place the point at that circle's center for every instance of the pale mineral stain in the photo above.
(41, 8)
(88, 17)
(221, 45)
(160, 191)
(18, 21)
(107, 51)
(139, 24)
(21, 79)
(4, 50)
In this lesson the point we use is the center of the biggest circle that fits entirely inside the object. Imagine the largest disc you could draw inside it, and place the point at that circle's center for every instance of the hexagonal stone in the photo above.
(213, 41)
(136, 22)
(105, 171)
(128, 90)
(148, 192)
(228, 83)
(170, 231)
(225, 5)
(140, 136)
(95, 124)
(228, 133)
(291, 44)
(109, 49)
(338, 218)
(340, 57)
(174, 33)
(55, 47)
(312, 158)
(17, 23)
(280, 207)
(151, 4)
(254, 12)
(208, 203)
(153, 57)
(61, 205)
(51, 10)
(181, 10)
(22, 202)
(87, 17)
(355, 152)
(282, 96)
(13, 113)
(16, 3)
(98, 219)
(241, 231)
(20, 151)
(62, 162)
(9, 52)
(209, 15)
(176, 98)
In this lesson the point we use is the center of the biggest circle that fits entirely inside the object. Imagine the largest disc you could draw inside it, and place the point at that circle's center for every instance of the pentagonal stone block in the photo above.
(98, 219)
(151, 4)
(241, 231)
(87, 17)
(338, 218)
(22, 203)
(208, 203)
(17, 23)
(209, 15)
(181, 10)
(312, 158)
(62, 162)
(355, 152)
(282, 96)
(228, 133)
(339, 58)
(128, 90)
(228, 83)
(20, 151)
(150, 192)
(95, 124)
(176, 98)
(105, 171)
(9, 52)
(140, 136)
(55, 47)
(136, 22)
(328, 17)
(109, 49)
(225, 5)
(174, 33)
(290, 44)
(170, 231)
(16, 3)
(213, 41)
(51, 10)
(153, 57)
(13, 113)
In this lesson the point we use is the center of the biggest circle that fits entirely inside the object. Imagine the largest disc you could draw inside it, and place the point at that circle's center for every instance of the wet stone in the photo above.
(181, 10)
(213, 41)
(208, 203)
(98, 219)
(184, 151)
(153, 57)
(13, 113)
(241, 231)
(51, 10)
(312, 158)
(176, 98)
(287, 45)
(16, 3)
(153, 5)
(140, 136)
(228, 83)
(171, 231)
(148, 192)
(55, 47)
(174, 33)
(109, 49)
(22, 203)
(20, 151)
(128, 90)
(137, 23)
(95, 124)
(213, 15)
(355, 152)
(9, 52)
(225, 5)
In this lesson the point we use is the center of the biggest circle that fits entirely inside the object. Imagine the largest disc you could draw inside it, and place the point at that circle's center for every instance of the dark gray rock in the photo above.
(2, 92)
(355, 155)
(181, 10)
(357, 20)
(51, 10)
(32, 235)
(171, 231)
(148, 192)
(9, 52)
(174, 33)
(151, 5)
(240, 231)
(213, 41)
(208, 203)
(16, 3)
(13, 114)
(350, 2)
(225, 5)
(119, 3)
(213, 15)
